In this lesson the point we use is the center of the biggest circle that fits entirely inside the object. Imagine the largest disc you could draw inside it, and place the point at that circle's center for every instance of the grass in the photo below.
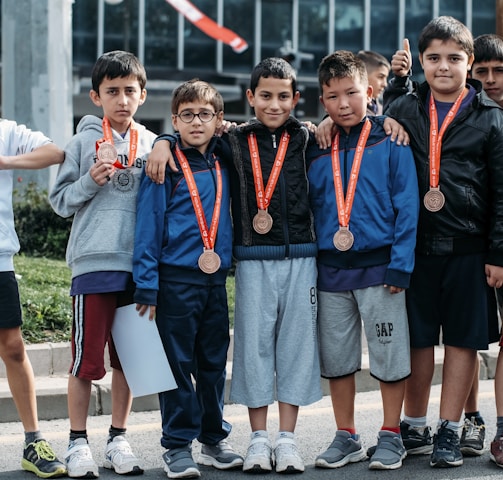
(44, 288)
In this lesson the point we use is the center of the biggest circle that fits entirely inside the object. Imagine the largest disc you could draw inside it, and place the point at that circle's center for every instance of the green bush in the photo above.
(41, 232)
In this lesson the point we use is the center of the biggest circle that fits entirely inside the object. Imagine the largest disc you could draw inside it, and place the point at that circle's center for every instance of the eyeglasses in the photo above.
(205, 116)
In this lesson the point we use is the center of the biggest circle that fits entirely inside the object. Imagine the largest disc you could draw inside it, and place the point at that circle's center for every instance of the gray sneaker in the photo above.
(343, 450)
(220, 456)
(180, 464)
(389, 452)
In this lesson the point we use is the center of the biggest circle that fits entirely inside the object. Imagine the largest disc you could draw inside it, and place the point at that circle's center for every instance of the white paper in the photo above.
(141, 353)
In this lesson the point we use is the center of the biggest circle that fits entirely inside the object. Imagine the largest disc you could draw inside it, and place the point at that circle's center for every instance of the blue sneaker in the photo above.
(389, 452)
(343, 450)
(180, 464)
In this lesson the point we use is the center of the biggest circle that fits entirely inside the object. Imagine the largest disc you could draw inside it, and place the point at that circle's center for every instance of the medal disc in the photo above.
(107, 152)
(434, 200)
(262, 222)
(343, 239)
(209, 261)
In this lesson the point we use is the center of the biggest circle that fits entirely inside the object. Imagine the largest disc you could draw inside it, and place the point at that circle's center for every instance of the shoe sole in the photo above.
(423, 450)
(29, 467)
(257, 468)
(189, 473)
(351, 458)
(89, 474)
(290, 469)
(136, 470)
(472, 452)
(210, 461)
(446, 464)
(491, 457)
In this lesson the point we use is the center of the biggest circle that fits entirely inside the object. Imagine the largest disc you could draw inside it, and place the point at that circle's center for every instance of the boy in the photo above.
(98, 183)
(459, 249)
(180, 269)
(378, 69)
(371, 249)
(21, 149)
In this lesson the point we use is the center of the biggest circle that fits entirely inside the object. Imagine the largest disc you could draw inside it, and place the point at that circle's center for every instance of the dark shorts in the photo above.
(10, 305)
(449, 299)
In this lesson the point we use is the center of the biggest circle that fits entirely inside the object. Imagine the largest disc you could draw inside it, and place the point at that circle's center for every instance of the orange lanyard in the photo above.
(344, 206)
(208, 237)
(133, 141)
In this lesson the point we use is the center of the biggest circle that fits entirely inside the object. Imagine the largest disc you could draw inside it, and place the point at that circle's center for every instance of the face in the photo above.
(196, 133)
(345, 100)
(273, 101)
(490, 74)
(120, 98)
(378, 79)
(445, 67)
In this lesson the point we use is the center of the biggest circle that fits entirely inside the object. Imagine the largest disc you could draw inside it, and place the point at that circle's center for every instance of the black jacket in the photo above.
(471, 173)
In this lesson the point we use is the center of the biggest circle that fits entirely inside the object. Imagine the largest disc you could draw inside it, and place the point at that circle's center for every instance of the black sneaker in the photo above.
(446, 451)
(473, 436)
(39, 458)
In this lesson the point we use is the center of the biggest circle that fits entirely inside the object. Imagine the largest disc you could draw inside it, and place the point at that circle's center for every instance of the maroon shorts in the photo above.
(93, 315)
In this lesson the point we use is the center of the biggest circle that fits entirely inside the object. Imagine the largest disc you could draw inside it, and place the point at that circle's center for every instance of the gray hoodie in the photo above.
(104, 220)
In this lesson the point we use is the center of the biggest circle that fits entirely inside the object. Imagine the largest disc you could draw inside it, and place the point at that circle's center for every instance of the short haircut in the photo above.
(196, 90)
(446, 28)
(488, 47)
(275, 67)
(117, 64)
(373, 60)
(341, 64)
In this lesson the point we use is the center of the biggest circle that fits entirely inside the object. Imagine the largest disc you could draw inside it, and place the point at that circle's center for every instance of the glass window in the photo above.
(454, 8)
(484, 17)
(349, 25)
(85, 31)
(276, 26)
(313, 34)
(121, 26)
(384, 27)
(417, 14)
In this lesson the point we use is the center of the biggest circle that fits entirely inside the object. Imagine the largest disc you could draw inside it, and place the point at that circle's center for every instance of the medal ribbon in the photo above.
(208, 237)
(436, 136)
(264, 198)
(344, 206)
(133, 141)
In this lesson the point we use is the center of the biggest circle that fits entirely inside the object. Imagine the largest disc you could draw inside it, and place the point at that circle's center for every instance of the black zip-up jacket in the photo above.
(292, 233)
(471, 173)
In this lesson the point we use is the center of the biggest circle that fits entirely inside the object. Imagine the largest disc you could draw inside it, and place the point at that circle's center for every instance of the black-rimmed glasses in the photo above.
(205, 116)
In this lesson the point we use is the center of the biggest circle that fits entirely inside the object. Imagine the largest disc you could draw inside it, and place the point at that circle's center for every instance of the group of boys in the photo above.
(325, 239)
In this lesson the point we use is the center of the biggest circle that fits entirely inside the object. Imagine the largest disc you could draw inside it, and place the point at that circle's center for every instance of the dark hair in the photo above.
(446, 28)
(488, 47)
(341, 64)
(373, 60)
(117, 64)
(196, 90)
(275, 67)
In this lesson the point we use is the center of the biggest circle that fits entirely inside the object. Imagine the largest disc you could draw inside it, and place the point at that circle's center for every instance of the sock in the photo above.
(391, 429)
(352, 431)
(74, 434)
(449, 424)
(499, 428)
(30, 437)
(415, 421)
(114, 432)
(259, 433)
(284, 434)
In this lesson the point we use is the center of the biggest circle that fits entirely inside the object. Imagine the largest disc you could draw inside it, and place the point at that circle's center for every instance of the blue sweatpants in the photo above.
(193, 323)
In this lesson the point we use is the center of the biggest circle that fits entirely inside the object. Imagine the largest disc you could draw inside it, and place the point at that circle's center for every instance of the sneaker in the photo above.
(180, 464)
(389, 452)
(446, 451)
(258, 456)
(79, 460)
(497, 451)
(40, 459)
(287, 457)
(343, 450)
(473, 436)
(220, 456)
(120, 458)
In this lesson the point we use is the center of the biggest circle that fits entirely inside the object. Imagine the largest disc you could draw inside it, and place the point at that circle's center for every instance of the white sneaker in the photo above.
(79, 460)
(120, 458)
(258, 457)
(287, 456)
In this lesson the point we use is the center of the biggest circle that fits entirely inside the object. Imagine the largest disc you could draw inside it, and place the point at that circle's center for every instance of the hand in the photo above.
(310, 126)
(159, 157)
(494, 275)
(101, 172)
(401, 62)
(142, 309)
(224, 128)
(396, 131)
(325, 132)
(393, 289)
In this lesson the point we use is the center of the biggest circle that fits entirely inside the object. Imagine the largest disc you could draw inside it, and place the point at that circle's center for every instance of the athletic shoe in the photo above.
(473, 436)
(287, 457)
(343, 450)
(389, 452)
(258, 456)
(120, 458)
(79, 460)
(220, 456)
(497, 451)
(446, 451)
(416, 440)
(40, 459)
(180, 464)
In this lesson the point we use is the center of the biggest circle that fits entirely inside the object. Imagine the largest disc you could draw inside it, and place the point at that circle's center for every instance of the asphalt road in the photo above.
(316, 428)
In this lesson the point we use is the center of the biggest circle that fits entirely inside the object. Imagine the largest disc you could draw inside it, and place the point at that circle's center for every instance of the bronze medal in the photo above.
(434, 199)
(262, 222)
(343, 239)
(209, 261)
(107, 152)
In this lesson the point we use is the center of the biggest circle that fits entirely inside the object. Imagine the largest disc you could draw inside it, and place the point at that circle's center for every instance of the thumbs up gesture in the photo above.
(401, 62)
